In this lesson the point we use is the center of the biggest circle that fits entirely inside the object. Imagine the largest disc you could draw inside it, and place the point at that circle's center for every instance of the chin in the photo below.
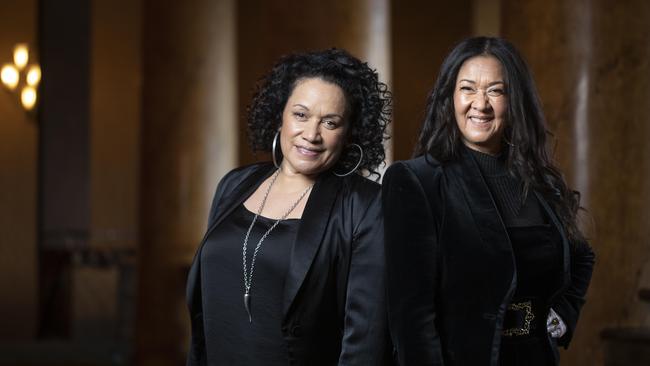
(307, 169)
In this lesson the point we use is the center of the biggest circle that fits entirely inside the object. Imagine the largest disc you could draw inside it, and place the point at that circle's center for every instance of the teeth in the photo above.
(480, 120)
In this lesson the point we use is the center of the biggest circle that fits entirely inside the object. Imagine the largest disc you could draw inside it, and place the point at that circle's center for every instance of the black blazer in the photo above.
(334, 297)
(450, 265)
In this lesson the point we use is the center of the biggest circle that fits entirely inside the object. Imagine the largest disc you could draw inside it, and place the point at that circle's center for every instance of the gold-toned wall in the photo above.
(18, 187)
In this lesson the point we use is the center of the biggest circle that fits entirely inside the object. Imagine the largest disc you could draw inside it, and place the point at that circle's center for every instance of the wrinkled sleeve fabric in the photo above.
(365, 338)
(568, 305)
(411, 263)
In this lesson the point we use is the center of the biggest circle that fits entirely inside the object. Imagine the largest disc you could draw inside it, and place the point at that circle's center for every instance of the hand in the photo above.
(554, 325)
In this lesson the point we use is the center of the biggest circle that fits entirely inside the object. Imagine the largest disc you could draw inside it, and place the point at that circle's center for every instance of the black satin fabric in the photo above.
(333, 301)
(230, 338)
(450, 265)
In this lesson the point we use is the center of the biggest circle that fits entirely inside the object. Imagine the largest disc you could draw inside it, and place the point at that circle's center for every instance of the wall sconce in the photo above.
(12, 73)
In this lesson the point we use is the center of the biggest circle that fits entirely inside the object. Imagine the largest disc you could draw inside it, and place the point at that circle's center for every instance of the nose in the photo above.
(481, 101)
(311, 132)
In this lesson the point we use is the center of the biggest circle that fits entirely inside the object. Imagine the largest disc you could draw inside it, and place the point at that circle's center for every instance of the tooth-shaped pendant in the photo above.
(247, 305)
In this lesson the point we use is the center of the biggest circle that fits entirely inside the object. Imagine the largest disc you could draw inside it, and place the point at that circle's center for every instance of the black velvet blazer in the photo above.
(334, 295)
(450, 265)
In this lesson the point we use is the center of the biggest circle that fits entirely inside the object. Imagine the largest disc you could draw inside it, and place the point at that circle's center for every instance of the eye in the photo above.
(330, 124)
(496, 92)
(301, 116)
(467, 89)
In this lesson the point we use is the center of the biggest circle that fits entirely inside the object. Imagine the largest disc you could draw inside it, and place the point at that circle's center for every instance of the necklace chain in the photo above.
(248, 276)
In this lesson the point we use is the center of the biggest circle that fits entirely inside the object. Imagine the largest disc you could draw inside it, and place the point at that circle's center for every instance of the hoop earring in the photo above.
(275, 139)
(356, 166)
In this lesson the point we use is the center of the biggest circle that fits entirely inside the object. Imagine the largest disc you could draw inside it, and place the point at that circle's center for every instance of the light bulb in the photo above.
(9, 75)
(34, 75)
(28, 97)
(21, 55)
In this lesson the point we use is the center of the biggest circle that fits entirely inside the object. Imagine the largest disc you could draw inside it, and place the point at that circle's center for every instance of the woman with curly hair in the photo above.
(486, 264)
(291, 269)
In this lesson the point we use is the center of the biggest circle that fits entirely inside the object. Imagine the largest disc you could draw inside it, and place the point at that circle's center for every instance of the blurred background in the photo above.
(118, 117)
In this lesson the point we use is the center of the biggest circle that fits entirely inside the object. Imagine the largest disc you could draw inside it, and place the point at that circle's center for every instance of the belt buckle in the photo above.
(527, 308)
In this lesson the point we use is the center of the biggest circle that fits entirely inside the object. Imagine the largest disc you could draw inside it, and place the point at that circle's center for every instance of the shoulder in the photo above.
(359, 192)
(424, 169)
(356, 183)
(237, 175)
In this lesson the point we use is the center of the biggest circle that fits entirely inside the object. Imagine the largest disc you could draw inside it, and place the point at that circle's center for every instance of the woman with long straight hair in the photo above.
(486, 262)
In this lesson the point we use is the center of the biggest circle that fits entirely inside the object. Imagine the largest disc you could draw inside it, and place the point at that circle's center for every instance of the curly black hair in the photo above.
(369, 99)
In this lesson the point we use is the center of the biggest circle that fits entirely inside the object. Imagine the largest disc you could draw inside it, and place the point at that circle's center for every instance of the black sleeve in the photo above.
(224, 185)
(365, 333)
(568, 305)
(411, 260)
(196, 355)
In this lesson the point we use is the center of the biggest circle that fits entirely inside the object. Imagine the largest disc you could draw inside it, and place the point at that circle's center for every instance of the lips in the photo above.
(307, 151)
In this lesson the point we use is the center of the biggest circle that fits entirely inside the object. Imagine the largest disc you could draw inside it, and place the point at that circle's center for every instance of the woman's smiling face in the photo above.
(314, 127)
(480, 103)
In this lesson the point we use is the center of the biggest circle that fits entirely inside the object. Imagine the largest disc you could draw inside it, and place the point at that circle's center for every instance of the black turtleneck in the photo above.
(507, 191)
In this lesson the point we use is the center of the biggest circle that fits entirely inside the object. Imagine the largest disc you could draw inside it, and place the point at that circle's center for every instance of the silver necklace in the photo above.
(248, 276)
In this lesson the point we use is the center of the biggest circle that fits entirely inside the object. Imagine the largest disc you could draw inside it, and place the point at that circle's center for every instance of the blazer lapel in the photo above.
(224, 208)
(313, 223)
(467, 175)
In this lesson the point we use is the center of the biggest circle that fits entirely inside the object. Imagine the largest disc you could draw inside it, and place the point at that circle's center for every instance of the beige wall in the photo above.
(18, 174)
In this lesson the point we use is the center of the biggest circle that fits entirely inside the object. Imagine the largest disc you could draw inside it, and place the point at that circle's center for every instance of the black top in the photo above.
(507, 192)
(536, 247)
(230, 338)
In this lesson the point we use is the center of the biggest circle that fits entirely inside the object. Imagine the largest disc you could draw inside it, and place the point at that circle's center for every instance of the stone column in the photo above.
(591, 63)
(188, 132)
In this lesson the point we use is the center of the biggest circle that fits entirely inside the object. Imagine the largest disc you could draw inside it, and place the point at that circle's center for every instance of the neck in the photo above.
(490, 150)
(292, 180)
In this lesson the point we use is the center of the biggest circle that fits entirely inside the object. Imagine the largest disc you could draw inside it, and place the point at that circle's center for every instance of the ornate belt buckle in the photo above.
(527, 308)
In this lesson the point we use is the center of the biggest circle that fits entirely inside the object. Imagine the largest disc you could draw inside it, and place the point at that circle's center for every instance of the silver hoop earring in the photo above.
(275, 139)
(356, 166)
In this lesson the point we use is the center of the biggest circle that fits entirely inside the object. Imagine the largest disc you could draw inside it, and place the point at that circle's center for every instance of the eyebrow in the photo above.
(332, 115)
(490, 84)
(325, 116)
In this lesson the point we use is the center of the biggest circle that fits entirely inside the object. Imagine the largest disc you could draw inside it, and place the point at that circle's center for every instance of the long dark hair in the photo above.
(528, 153)
(369, 99)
